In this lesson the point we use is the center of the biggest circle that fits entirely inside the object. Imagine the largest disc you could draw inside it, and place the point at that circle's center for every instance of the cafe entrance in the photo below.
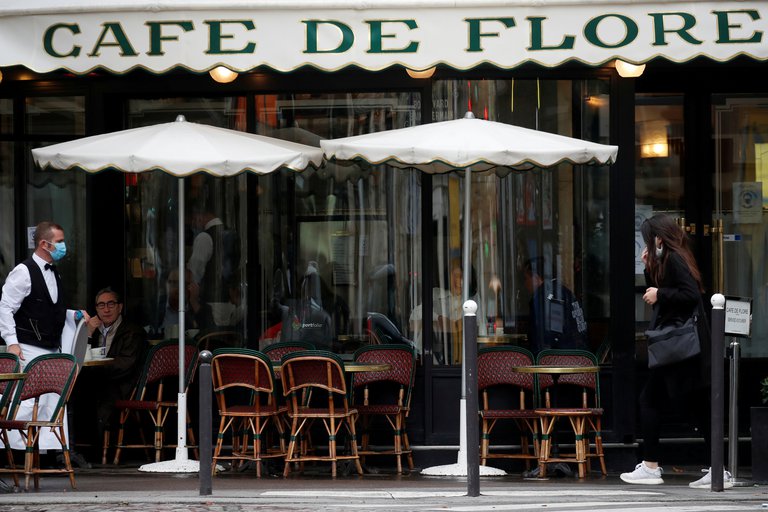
(701, 155)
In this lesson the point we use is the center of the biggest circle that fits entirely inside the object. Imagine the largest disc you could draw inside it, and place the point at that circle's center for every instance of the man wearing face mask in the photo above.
(32, 307)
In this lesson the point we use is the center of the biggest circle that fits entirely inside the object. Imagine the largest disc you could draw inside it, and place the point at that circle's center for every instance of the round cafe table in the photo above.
(355, 366)
(13, 376)
(538, 368)
(102, 361)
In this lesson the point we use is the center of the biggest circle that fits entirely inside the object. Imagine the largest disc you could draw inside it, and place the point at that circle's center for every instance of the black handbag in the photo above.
(673, 343)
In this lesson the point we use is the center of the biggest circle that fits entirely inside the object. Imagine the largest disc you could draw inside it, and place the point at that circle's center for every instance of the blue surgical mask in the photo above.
(59, 251)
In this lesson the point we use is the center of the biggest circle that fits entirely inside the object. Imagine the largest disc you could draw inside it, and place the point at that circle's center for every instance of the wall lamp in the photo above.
(222, 74)
(627, 70)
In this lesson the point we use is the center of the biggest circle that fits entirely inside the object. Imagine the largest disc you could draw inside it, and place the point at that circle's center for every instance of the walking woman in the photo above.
(674, 289)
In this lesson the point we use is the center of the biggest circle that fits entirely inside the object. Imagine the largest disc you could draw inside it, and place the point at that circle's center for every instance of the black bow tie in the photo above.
(50, 266)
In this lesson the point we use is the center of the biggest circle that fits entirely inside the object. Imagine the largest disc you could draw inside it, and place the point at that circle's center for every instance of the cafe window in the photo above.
(340, 247)
(211, 204)
(7, 227)
(539, 262)
(58, 196)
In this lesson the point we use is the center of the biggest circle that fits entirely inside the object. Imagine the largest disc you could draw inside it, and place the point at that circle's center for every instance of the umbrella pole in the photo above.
(181, 464)
(461, 467)
(181, 447)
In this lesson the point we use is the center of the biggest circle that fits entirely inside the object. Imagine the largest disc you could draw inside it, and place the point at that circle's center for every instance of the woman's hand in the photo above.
(644, 256)
(651, 295)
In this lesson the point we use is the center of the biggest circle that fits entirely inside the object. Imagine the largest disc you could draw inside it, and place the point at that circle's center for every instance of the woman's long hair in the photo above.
(673, 239)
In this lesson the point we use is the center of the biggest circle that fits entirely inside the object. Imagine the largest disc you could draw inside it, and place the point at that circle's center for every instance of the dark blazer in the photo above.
(129, 347)
(677, 298)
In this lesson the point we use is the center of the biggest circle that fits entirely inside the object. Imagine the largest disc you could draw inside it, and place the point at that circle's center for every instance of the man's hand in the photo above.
(94, 323)
(16, 349)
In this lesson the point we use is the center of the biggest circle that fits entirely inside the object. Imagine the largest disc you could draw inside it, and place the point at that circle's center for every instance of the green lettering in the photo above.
(475, 33)
(48, 40)
(724, 27)
(377, 36)
(215, 36)
(630, 31)
(659, 31)
(156, 36)
(120, 40)
(537, 39)
(347, 36)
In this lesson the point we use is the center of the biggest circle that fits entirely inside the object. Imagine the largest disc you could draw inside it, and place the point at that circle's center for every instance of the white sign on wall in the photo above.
(738, 316)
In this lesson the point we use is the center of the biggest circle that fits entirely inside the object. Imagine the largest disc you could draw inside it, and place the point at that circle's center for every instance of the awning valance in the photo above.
(117, 35)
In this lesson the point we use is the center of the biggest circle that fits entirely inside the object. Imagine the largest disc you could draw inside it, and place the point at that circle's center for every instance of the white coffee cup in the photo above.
(99, 353)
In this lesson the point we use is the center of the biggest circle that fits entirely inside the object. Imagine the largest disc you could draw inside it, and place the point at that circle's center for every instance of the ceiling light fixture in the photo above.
(222, 74)
(420, 74)
(627, 70)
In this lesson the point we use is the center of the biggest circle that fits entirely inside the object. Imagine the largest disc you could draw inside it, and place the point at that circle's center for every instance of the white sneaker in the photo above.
(644, 475)
(705, 482)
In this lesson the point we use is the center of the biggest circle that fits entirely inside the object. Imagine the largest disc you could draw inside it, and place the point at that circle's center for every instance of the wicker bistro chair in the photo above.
(385, 395)
(507, 396)
(276, 351)
(161, 368)
(49, 373)
(9, 363)
(315, 386)
(244, 384)
(584, 417)
(213, 340)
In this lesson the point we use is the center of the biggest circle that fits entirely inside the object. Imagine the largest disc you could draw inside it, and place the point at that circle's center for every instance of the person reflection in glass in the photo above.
(556, 318)
(447, 318)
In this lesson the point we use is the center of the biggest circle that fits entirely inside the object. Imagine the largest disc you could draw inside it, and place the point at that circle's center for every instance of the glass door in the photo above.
(741, 208)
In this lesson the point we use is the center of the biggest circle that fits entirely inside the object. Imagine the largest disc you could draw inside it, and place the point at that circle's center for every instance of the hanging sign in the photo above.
(738, 316)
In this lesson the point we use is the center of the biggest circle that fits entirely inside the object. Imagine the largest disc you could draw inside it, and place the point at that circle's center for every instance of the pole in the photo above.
(181, 418)
(206, 484)
(473, 433)
(718, 352)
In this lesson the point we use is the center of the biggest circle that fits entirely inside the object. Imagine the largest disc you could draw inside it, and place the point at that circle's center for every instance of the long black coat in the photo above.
(677, 298)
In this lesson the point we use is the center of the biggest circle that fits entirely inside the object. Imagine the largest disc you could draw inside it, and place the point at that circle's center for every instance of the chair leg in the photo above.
(409, 453)
(291, 446)
(191, 438)
(599, 445)
(105, 446)
(351, 420)
(399, 443)
(120, 436)
(484, 442)
(547, 425)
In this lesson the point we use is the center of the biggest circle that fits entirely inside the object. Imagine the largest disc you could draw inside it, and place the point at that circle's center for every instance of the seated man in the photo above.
(126, 344)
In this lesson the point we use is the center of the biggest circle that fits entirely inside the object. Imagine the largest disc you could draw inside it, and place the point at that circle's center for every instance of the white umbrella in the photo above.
(179, 148)
(473, 145)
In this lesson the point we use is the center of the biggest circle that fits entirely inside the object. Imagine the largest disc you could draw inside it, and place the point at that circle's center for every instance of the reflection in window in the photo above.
(6, 115)
(340, 251)
(64, 115)
(59, 196)
(539, 238)
(215, 219)
(7, 229)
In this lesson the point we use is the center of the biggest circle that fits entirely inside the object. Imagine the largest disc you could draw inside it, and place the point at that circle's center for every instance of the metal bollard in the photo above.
(718, 353)
(472, 403)
(205, 475)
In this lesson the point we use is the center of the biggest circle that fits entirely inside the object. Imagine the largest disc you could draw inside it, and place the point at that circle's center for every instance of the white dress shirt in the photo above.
(17, 287)
(202, 250)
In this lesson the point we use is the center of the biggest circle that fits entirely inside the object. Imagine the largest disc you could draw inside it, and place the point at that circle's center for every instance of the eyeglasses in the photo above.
(106, 305)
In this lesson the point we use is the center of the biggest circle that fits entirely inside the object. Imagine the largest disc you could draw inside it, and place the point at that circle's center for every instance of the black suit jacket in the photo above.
(128, 349)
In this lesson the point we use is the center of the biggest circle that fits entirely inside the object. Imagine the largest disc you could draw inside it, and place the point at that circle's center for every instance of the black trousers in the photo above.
(659, 396)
